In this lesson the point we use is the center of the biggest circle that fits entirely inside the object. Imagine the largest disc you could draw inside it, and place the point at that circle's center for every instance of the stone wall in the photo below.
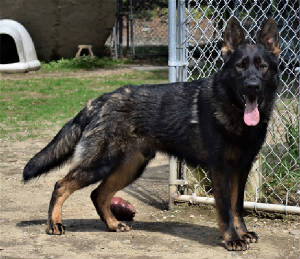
(57, 27)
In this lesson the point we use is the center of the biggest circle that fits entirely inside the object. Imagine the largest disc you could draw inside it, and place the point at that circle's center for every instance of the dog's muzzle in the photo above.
(252, 88)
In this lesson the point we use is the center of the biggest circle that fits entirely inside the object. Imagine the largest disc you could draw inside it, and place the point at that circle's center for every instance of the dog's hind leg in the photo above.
(62, 190)
(130, 169)
(74, 180)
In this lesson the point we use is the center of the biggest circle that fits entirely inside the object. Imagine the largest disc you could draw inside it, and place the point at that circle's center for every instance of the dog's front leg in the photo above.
(237, 187)
(221, 189)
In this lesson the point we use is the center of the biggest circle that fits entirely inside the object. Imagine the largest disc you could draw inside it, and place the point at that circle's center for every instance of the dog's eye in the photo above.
(263, 66)
(240, 67)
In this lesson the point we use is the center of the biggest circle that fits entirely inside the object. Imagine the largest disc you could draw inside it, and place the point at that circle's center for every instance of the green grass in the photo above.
(32, 105)
(83, 62)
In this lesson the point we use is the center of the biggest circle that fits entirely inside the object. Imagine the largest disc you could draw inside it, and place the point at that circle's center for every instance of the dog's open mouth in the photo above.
(251, 112)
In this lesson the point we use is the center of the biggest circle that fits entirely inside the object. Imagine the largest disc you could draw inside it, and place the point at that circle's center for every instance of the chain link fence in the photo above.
(150, 28)
(141, 29)
(274, 178)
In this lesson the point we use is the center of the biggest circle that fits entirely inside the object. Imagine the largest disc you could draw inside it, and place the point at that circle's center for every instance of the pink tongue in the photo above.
(251, 113)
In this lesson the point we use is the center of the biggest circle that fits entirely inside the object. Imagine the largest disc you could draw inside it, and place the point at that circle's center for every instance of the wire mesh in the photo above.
(274, 177)
(141, 29)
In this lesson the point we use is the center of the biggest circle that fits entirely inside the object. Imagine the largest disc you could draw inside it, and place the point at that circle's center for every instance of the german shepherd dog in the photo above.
(218, 123)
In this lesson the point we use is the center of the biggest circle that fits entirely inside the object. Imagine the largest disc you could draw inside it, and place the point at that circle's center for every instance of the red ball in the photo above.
(122, 209)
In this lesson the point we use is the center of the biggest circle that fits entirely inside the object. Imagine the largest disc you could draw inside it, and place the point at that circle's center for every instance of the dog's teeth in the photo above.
(244, 98)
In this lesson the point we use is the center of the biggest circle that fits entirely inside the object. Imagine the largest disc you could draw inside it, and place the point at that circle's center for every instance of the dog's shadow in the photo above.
(203, 234)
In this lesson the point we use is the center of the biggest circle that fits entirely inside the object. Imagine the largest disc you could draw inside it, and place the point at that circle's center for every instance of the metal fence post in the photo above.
(172, 78)
(172, 40)
(181, 42)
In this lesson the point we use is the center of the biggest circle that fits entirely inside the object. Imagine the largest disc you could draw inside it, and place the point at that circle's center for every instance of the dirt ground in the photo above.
(183, 232)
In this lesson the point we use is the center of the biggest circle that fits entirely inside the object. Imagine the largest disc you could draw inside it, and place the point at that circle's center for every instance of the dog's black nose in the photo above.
(252, 85)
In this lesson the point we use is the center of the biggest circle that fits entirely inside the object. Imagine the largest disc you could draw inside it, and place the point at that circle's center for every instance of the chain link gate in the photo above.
(141, 29)
(273, 183)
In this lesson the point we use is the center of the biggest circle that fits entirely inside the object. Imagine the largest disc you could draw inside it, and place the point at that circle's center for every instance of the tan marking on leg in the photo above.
(116, 181)
(234, 192)
(239, 225)
(65, 188)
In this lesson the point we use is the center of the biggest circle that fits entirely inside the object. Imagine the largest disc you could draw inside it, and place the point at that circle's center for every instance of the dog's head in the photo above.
(252, 75)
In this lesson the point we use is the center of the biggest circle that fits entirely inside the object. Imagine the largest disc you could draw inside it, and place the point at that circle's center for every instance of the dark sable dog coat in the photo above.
(218, 123)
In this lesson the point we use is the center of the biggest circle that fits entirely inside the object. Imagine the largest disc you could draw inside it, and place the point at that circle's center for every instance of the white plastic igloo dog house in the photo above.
(17, 52)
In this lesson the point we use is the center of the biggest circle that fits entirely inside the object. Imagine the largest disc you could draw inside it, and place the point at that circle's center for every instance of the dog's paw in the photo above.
(236, 245)
(123, 228)
(120, 227)
(250, 237)
(55, 229)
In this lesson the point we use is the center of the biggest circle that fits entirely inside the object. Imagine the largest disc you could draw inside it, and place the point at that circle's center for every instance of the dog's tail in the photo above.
(59, 150)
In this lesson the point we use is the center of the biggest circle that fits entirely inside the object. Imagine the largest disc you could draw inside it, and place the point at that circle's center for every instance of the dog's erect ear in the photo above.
(234, 35)
(269, 37)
